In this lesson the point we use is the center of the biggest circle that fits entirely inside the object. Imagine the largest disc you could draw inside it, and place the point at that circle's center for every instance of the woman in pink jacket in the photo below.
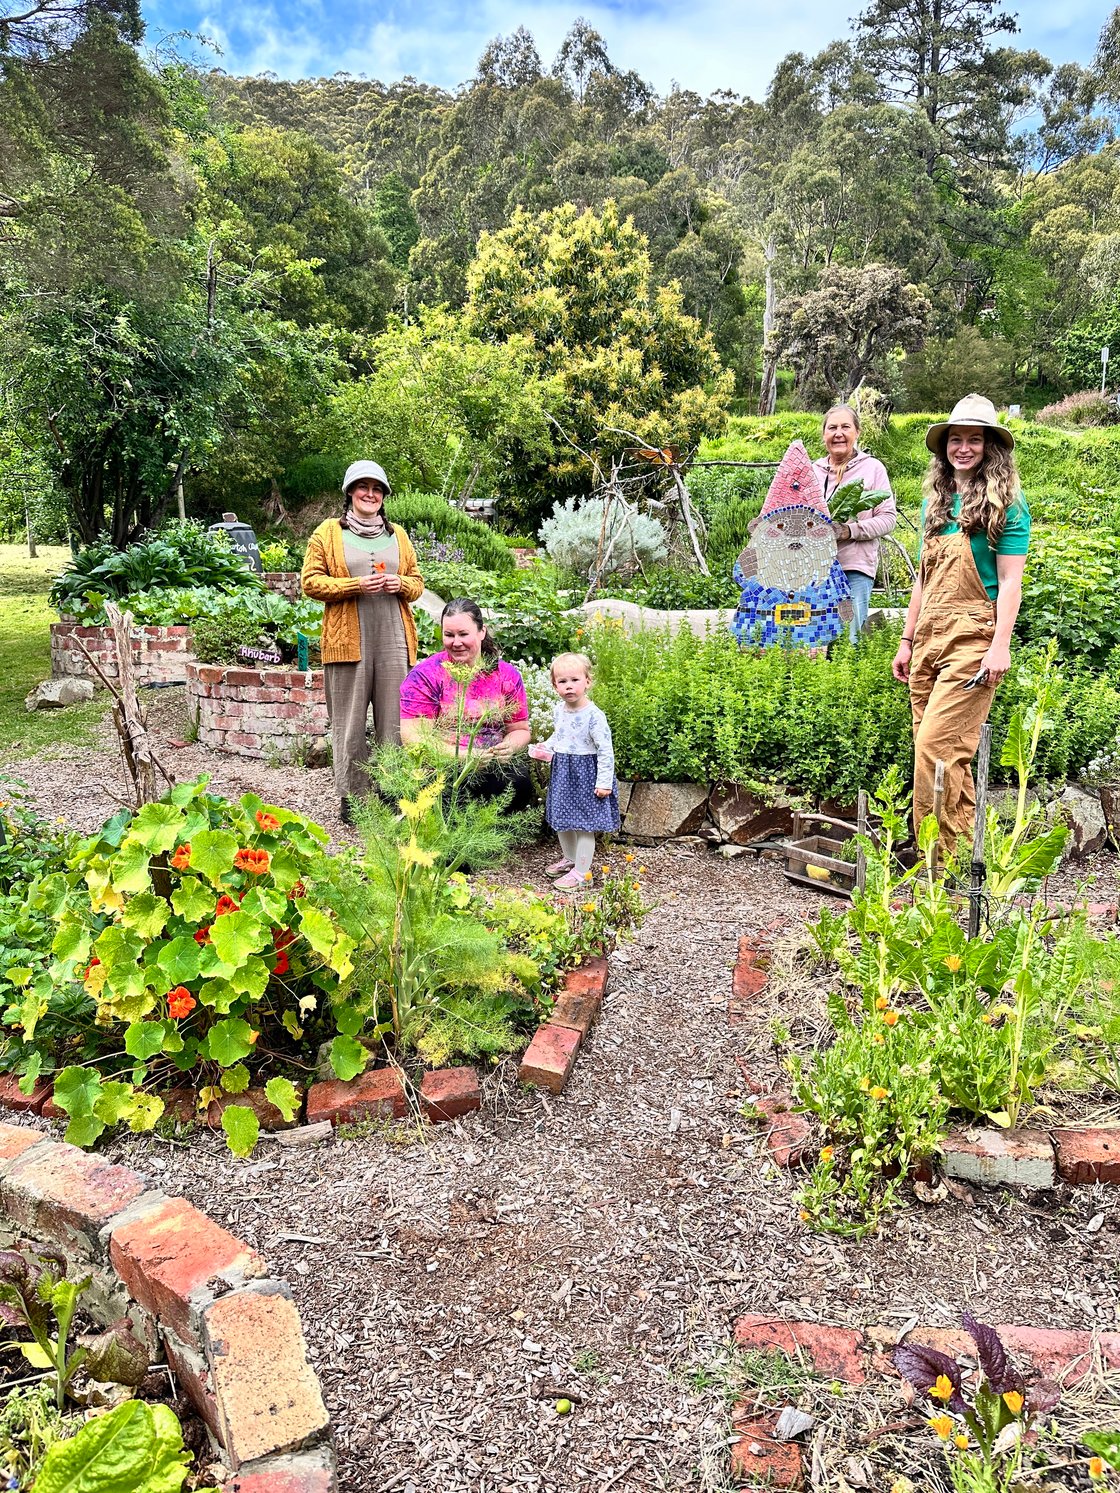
(857, 542)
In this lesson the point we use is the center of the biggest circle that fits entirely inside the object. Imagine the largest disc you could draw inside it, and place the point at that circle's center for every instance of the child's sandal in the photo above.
(558, 868)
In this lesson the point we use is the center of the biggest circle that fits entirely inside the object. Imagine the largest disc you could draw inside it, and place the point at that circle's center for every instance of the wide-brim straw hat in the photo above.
(369, 469)
(973, 409)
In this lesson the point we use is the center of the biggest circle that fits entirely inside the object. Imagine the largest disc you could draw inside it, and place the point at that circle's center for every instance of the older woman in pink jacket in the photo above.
(857, 542)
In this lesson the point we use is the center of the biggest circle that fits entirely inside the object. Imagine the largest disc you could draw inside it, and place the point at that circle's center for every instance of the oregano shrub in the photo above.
(198, 943)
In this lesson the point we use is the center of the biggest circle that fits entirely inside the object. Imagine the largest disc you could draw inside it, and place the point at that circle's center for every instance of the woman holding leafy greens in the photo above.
(956, 642)
(363, 569)
(470, 706)
(857, 526)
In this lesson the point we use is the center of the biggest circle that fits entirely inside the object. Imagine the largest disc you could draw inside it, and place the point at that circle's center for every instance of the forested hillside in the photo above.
(238, 282)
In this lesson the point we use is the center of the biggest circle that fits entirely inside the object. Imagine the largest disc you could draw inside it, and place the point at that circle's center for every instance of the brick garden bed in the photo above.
(160, 655)
(267, 713)
(284, 582)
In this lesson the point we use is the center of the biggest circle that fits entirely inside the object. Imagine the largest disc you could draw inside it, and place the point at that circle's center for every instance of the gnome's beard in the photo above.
(781, 568)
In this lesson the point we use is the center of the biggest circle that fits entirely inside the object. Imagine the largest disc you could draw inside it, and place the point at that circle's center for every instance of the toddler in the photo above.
(582, 791)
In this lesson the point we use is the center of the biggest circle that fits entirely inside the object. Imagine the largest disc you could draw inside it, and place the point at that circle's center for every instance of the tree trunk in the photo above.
(768, 392)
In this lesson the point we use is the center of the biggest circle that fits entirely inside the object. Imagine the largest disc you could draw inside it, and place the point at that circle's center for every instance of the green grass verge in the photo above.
(25, 647)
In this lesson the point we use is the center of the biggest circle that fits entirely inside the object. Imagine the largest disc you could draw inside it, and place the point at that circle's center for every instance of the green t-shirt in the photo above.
(1013, 541)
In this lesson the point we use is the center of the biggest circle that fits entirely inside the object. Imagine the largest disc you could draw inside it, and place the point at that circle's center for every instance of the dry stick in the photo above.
(129, 719)
(686, 510)
(979, 870)
(938, 788)
(861, 829)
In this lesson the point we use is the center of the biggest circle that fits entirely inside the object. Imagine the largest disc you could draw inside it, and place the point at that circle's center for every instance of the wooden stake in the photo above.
(938, 788)
(979, 870)
(861, 828)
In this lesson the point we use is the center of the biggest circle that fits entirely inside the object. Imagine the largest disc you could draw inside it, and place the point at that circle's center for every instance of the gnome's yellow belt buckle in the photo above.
(792, 614)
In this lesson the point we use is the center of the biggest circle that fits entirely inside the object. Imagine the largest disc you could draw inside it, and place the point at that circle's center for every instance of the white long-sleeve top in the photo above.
(585, 732)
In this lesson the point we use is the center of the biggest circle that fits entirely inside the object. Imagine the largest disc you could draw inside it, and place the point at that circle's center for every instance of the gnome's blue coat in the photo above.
(754, 626)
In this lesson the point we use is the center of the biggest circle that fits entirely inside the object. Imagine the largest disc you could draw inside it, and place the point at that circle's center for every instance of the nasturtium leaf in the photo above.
(146, 914)
(76, 1090)
(212, 853)
(103, 895)
(144, 1039)
(135, 1004)
(193, 899)
(235, 1080)
(131, 867)
(116, 946)
(227, 1042)
(145, 1112)
(183, 794)
(283, 1093)
(316, 927)
(72, 939)
(34, 1066)
(284, 870)
(113, 830)
(219, 995)
(273, 904)
(348, 1058)
(157, 826)
(242, 1128)
(340, 960)
(251, 979)
(178, 961)
(349, 1018)
(18, 975)
(83, 1130)
(236, 935)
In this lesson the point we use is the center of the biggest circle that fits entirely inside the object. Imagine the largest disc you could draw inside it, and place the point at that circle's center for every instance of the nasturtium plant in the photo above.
(202, 943)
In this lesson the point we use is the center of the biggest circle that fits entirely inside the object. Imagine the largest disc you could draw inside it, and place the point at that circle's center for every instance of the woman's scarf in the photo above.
(365, 530)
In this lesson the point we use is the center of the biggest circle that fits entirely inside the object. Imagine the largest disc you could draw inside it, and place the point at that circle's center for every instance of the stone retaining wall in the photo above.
(266, 713)
(285, 583)
(192, 1291)
(160, 655)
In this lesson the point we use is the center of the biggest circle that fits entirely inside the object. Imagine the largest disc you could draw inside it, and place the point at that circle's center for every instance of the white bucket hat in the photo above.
(973, 409)
(359, 469)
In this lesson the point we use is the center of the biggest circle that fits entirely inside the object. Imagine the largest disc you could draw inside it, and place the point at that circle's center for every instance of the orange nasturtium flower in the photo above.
(1013, 1400)
(942, 1425)
(202, 935)
(182, 857)
(225, 903)
(943, 1386)
(268, 822)
(255, 862)
(180, 1002)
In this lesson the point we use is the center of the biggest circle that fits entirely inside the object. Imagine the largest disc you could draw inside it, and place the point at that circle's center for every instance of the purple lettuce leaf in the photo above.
(1043, 1397)
(924, 1366)
(1000, 1373)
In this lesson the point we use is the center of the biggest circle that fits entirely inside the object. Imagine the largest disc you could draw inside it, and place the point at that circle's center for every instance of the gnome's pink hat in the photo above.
(795, 484)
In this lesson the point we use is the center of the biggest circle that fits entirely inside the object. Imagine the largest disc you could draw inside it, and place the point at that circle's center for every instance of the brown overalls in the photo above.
(955, 628)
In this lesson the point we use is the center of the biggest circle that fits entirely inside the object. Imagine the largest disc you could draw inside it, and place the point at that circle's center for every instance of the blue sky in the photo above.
(705, 45)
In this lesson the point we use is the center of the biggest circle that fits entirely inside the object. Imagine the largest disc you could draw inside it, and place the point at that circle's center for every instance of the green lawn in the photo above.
(25, 649)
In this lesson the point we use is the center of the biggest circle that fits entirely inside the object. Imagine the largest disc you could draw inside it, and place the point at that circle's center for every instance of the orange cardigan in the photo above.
(325, 578)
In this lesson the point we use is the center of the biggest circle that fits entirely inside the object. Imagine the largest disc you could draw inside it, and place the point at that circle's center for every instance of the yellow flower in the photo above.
(878, 1040)
(953, 962)
(641, 870)
(882, 1003)
(606, 870)
(879, 1093)
(865, 1083)
(587, 876)
(826, 1153)
(414, 855)
(628, 857)
(1096, 1467)
(1013, 1400)
(804, 1216)
(942, 1425)
(891, 1018)
(943, 1386)
(986, 1020)
(589, 907)
(960, 1441)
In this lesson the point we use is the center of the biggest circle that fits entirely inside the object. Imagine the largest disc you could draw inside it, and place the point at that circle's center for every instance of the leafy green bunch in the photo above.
(609, 910)
(183, 555)
(203, 937)
(134, 1448)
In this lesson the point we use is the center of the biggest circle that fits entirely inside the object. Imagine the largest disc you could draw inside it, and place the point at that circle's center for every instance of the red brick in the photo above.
(751, 970)
(450, 1092)
(1086, 1156)
(66, 1196)
(379, 1093)
(757, 1458)
(50, 1110)
(1002, 1158)
(180, 1105)
(311, 1472)
(769, 1106)
(576, 1011)
(257, 1100)
(16, 1139)
(242, 676)
(268, 1397)
(243, 740)
(549, 1058)
(175, 1260)
(192, 1373)
(836, 1352)
(589, 979)
(11, 1096)
(787, 1139)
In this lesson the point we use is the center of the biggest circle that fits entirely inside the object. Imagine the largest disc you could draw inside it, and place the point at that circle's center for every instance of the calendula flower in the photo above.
(986, 1019)
(628, 857)
(182, 857)
(878, 1040)
(942, 1426)
(804, 1215)
(180, 1002)
(224, 904)
(606, 870)
(960, 1441)
(891, 1018)
(1013, 1400)
(943, 1385)
(1096, 1467)
(865, 1083)
(826, 1153)
(878, 1093)
(641, 870)
(589, 907)
(882, 1003)
(953, 962)
(268, 822)
(587, 876)
(254, 862)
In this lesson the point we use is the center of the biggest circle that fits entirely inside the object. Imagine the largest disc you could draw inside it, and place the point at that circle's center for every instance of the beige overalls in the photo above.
(955, 628)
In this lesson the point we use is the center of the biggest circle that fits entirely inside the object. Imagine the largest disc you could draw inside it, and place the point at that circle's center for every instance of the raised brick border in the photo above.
(285, 583)
(233, 1336)
(551, 1055)
(256, 712)
(852, 1356)
(160, 655)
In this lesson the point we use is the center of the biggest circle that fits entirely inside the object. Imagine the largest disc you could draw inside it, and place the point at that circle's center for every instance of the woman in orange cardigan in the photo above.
(363, 568)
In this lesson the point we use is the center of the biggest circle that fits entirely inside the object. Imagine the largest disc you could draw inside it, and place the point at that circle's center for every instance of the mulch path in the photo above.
(456, 1282)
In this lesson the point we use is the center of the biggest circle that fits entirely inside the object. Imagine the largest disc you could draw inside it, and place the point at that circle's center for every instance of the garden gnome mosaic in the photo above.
(793, 589)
